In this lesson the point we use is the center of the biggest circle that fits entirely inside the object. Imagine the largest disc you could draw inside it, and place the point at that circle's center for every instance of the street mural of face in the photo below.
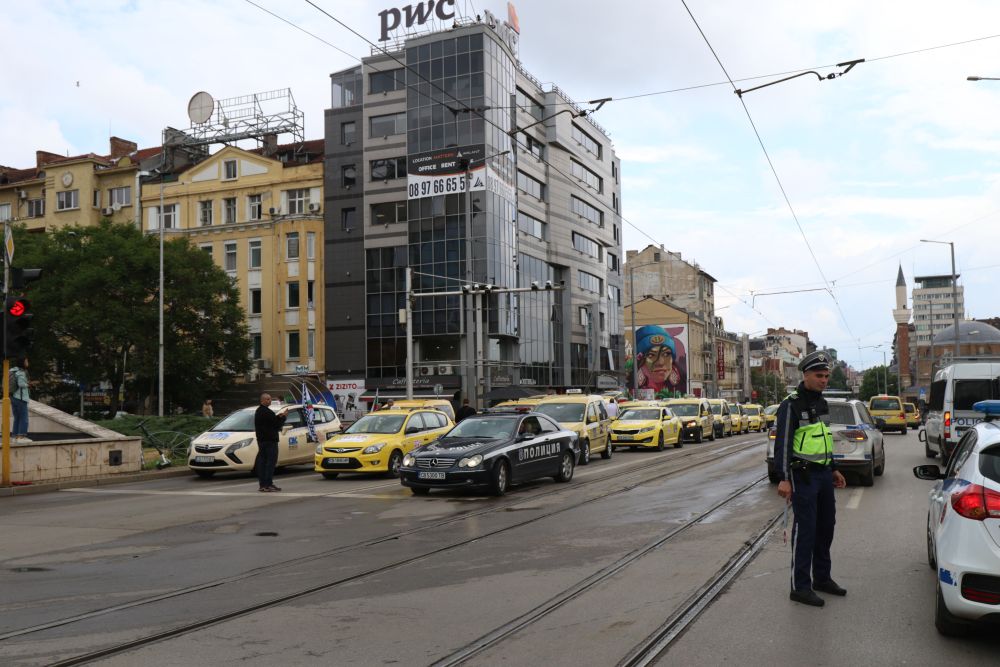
(657, 366)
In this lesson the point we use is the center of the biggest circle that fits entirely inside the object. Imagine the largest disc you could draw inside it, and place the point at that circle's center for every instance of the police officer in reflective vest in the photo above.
(803, 451)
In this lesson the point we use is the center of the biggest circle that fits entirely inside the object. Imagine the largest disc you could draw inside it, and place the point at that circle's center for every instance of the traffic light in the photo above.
(19, 278)
(17, 329)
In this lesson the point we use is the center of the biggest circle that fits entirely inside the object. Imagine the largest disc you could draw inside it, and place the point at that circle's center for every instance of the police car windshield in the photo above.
(641, 414)
(483, 427)
(885, 404)
(377, 424)
(685, 409)
(238, 421)
(563, 412)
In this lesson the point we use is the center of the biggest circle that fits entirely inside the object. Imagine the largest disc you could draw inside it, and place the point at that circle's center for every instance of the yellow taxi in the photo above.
(755, 417)
(379, 440)
(890, 409)
(741, 423)
(440, 404)
(697, 420)
(912, 415)
(586, 415)
(646, 426)
(771, 415)
(723, 417)
(526, 404)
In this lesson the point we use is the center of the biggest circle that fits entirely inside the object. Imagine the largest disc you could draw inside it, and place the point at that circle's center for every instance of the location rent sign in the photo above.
(442, 172)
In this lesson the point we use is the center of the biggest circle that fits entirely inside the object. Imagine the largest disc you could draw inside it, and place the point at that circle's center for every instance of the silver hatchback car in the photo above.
(857, 442)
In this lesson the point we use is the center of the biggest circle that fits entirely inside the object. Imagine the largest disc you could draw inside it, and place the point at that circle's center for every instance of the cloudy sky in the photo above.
(900, 149)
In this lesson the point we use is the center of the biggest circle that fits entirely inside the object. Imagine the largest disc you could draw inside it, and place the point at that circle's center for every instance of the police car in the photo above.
(492, 451)
(963, 527)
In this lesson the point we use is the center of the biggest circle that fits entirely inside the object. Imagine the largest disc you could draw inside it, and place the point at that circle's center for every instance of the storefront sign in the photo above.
(417, 14)
(720, 360)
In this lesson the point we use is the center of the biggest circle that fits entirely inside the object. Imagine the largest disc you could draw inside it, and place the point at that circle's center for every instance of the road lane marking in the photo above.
(854, 502)
(359, 493)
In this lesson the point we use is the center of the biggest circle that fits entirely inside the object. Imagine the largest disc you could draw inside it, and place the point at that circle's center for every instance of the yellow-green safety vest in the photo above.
(812, 442)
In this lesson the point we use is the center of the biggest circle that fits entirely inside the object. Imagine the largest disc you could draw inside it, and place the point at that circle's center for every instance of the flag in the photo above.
(307, 407)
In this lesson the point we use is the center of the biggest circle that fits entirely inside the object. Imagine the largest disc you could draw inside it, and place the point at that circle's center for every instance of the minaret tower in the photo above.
(902, 316)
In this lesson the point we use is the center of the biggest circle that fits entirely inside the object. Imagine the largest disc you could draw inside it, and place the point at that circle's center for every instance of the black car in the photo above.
(492, 451)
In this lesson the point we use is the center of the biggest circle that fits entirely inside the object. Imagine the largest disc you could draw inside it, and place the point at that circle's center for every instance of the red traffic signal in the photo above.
(17, 308)
(17, 330)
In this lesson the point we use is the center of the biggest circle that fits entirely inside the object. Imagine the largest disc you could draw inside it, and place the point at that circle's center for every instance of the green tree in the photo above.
(97, 313)
(838, 378)
(770, 387)
(874, 382)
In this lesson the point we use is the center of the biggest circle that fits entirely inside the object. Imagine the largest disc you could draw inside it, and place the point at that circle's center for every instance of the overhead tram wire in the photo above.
(774, 171)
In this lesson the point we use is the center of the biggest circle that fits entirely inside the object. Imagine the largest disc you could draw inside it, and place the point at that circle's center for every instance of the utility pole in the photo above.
(5, 419)
(408, 316)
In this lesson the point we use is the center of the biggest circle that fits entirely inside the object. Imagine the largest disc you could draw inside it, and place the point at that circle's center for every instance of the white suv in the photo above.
(963, 527)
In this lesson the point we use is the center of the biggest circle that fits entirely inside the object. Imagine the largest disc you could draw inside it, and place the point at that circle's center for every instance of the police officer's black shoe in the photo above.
(830, 587)
(806, 597)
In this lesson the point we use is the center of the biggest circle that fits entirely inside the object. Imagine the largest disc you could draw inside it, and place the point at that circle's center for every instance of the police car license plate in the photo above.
(338, 459)
(424, 474)
(204, 459)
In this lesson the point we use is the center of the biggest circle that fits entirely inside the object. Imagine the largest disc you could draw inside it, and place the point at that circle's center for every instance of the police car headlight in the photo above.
(408, 461)
(374, 449)
(239, 445)
(471, 462)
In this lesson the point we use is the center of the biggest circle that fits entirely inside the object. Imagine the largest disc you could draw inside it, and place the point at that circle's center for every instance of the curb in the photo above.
(46, 487)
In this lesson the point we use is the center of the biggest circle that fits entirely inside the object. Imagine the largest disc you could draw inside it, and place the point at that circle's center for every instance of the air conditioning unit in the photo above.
(22, 194)
(107, 210)
(272, 211)
(264, 364)
(427, 370)
(445, 370)
(314, 208)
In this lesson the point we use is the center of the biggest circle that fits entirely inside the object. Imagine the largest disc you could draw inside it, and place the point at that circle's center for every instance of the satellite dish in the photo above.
(200, 107)
(117, 206)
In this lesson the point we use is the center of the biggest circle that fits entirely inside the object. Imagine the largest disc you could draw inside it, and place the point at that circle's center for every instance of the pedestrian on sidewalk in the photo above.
(803, 450)
(267, 426)
(19, 398)
(206, 409)
(465, 411)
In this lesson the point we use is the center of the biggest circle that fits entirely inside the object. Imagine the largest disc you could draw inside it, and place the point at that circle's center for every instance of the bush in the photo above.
(190, 425)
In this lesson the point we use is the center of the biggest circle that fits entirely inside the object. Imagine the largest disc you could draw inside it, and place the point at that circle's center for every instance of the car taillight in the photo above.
(853, 434)
(947, 424)
(902, 416)
(976, 502)
(772, 434)
(977, 595)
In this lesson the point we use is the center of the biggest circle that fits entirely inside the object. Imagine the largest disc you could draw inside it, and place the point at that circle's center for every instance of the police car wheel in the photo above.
(331, 475)
(945, 622)
(931, 559)
(773, 477)
(584, 453)
(500, 478)
(659, 442)
(566, 467)
(606, 454)
(419, 491)
(867, 476)
(205, 474)
(928, 452)
(395, 463)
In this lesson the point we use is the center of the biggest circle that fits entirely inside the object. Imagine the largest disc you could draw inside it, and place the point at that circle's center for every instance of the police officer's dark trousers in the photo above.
(267, 459)
(815, 515)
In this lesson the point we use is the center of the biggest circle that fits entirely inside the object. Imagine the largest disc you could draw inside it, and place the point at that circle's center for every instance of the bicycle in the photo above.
(169, 445)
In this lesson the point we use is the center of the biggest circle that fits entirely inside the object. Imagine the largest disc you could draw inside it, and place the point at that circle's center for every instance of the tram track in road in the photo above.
(699, 458)
(574, 592)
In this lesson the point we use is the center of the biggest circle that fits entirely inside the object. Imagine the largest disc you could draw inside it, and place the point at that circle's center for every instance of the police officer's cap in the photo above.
(816, 361)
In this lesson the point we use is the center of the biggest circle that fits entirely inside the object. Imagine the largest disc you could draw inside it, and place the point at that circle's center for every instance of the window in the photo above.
(528, 105)
(255, 301)
(530, 225)
(255, 254)
(968, 392)
(229, 210)
(388, 213)
(348, 176)
(386, 82)
(4, 212)
(207, 249)
(293, 344)
(204, 213)
(229, 169)
(584, 316)
(586, 211)
(614, 294)
(592, 180)
(230, 256)
(293, 295)
(311, 343)
(603, 323)
(587, 141)
(256, 346)
(310, 245)
(36, 208)
(588, 281)
(387, 125)
(612, 260)
(310, 286)
(586, 245)
(348, 219)
(97, 199)
(298, 200)
(122, 196)
(169, 215)
(534, 146)
(292, 245)
(255, 207)
(67, 199)
(530, 186)
(384, 170)
(614, 171)
(614, 200)
(348, 133)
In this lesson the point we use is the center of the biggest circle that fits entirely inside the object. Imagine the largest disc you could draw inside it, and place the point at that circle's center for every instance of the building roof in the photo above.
(312, 149)
(970, 331)
(10, 175)
(946, 275)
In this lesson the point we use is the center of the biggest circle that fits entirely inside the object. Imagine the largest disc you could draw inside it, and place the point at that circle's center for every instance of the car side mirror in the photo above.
(928, 472)
(521, 437)
(412, 429)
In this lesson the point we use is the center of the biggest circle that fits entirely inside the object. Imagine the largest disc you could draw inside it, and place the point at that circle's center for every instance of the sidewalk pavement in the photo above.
(103, 480)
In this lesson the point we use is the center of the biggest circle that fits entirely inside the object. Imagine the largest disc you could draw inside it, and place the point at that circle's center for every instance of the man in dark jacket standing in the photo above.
(465, 411)
(267, 425)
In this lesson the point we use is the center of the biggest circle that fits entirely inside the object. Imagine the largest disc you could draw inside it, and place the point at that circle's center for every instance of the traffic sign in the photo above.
(438, 389)
(8, 243)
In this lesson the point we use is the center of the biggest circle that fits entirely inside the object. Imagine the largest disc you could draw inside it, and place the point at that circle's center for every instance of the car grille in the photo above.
(217, 463)
(207, 449)
(622, 431)
(435, 462)
(341, 450)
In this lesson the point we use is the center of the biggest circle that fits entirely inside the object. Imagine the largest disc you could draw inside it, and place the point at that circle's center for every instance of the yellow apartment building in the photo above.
(261, 220)
(690, 340)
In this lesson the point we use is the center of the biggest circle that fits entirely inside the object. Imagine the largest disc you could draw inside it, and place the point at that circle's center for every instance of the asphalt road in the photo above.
(563, 574)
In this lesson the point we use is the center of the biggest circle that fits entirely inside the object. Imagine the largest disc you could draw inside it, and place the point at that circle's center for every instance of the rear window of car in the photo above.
(909, 407)
(989, 463)
(968, 392)
(841, 413)
(885, 404)
(752, 411)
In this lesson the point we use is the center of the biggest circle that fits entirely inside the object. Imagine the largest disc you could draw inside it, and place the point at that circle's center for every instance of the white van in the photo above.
(949, 411)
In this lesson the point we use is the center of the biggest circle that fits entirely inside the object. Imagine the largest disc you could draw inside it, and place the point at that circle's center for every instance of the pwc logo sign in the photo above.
(417, 14)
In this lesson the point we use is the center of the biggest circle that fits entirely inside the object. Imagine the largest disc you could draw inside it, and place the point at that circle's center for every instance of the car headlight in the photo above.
(319, 449)
(471, 461)
(239, 445)
(408, 461)
(691, 424)
(646, 429)
(374, 449)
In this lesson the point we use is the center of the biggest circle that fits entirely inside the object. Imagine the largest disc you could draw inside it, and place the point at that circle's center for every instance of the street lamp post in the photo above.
(954, 291)
(160, 364)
